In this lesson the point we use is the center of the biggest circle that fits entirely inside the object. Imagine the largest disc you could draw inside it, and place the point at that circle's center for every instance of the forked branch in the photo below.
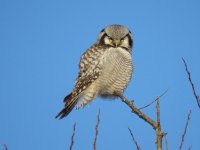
(155, 124)
(136, 111)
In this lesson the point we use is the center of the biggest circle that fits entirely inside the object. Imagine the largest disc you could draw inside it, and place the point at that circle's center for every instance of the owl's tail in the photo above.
(70, 101)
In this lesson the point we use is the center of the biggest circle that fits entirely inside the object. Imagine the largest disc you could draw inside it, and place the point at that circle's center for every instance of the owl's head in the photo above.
(116, 36)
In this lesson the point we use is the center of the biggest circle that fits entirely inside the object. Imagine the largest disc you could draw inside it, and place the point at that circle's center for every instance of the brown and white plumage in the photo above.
(104, 70)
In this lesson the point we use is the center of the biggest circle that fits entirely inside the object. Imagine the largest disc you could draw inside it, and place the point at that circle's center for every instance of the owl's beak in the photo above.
(117, 43)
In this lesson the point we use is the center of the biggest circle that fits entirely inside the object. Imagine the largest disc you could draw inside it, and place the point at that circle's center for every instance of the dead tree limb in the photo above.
(155, 124)
(185, 130)
(159, 133)
(136, 111)
(97, 131)
(191, 83)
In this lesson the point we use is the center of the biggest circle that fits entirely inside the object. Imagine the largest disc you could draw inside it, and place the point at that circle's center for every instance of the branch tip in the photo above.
(185, 129)
(72, 137)
(134, 141)
(191, 83)
(96, 130)
(5, 147)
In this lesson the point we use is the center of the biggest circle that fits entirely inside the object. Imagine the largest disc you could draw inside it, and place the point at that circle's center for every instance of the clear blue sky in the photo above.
(40, 46)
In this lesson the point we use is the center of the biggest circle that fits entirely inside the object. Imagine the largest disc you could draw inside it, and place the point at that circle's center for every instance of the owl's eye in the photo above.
(110, 39)
(122, 40)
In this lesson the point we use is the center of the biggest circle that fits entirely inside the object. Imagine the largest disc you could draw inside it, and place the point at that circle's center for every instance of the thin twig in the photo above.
(158, 97)
(138, 147)
(72, 137)
(190, 148)
(5, 146)
(185, 130)
(97, 131)
(166, 141)
(190, 80)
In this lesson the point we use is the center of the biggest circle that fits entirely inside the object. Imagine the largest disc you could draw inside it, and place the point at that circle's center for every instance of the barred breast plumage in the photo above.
(117, 71)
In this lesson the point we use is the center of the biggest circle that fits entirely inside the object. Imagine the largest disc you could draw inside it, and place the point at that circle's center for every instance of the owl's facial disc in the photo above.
(124, 42)
(116, 36)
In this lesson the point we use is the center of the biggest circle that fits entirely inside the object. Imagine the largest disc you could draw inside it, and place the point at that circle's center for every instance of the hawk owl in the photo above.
(105, 69)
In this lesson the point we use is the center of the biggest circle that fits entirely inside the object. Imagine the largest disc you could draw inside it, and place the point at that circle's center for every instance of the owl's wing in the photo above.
(91, 60)
(90, 68)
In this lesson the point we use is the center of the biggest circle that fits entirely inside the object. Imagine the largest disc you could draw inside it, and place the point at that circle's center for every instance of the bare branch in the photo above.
(190, 80)
(190, 148)
(166, 141)
(72, 137)
(158, 97)
(185, 130)
(138, 112)
(159, 134)
(156, 125)
(158, 111)
(97, 131)
(5, 146)
(138, 147)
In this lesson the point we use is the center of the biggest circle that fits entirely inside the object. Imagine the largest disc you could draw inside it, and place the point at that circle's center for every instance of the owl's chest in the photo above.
(116, 70)
(116, 59)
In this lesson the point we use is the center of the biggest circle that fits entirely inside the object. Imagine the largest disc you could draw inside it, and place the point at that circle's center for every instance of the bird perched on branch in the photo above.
(105, 69)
